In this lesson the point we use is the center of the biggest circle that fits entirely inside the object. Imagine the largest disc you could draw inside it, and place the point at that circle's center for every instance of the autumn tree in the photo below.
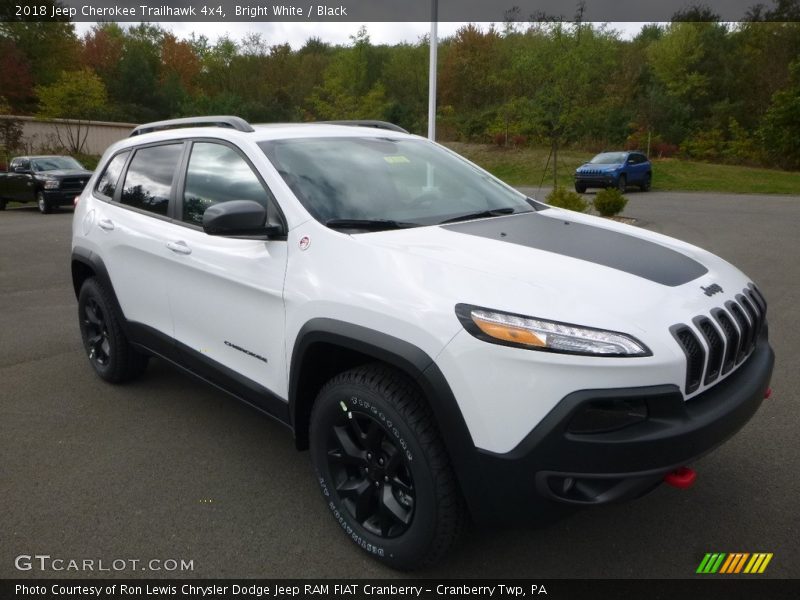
(179, 71)
(102, 49)
(49, 47)
(10, 134)
(781, 127)
(352, 88)
(562, 80)
(77, 97)
(16, 81)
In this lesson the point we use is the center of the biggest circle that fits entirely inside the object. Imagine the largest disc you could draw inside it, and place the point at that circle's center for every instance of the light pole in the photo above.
(434, 41)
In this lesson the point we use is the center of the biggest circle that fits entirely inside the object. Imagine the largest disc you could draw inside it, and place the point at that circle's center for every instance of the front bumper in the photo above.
(61, 197)
(552, 466)
(596, 179)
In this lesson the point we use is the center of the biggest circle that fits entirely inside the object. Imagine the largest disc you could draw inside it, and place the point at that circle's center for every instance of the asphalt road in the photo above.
(169, 468)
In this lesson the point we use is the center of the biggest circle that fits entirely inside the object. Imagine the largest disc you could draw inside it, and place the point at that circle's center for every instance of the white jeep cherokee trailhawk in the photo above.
(444, 345)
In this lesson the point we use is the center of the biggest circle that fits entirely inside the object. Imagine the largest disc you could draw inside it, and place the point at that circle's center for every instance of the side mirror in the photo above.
(239, 218)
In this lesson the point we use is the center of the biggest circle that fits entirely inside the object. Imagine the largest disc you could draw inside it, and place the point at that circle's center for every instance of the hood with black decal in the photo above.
(563, 266)
(604, 247)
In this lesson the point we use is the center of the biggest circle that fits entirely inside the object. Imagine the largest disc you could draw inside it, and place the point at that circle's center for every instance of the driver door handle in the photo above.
(179, 247)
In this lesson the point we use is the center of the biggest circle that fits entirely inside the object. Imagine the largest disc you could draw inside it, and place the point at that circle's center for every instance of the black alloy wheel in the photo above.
(97, 341)
(371, 475)
(110, 352)
(382, 467)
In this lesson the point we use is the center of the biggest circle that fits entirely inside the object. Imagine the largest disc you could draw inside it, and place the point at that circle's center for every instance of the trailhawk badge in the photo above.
(714, 288)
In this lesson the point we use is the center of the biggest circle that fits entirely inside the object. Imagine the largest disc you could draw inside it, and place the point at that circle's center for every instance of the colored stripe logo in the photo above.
(734, 563)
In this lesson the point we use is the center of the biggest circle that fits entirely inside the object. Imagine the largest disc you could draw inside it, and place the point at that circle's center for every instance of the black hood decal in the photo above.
(593, 244)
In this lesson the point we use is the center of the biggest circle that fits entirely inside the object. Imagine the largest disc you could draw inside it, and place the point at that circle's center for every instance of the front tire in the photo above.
(110, 353)
(383, 469)
(622, 183)
(44, 205)
(580, 188)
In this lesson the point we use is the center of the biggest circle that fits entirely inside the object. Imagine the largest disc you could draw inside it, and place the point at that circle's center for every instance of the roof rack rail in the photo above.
(236, 123)
(368, 123)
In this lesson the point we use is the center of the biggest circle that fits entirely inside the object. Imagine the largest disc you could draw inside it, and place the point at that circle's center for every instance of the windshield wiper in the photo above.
(370, 224)
(483, 214)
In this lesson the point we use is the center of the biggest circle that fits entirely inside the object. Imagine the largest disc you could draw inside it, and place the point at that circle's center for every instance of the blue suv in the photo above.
(615, 169)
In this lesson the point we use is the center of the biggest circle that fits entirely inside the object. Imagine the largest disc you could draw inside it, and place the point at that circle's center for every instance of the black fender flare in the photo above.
(90, 260)
(409, 359)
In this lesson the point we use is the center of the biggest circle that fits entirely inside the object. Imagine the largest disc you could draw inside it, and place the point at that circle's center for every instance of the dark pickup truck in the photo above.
(50, 181)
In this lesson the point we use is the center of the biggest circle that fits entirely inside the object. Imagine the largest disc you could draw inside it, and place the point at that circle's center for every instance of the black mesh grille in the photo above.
(695, 358)
(755, 319)
(762, 303)
(744, 329)
(716, 348)
(729, 338)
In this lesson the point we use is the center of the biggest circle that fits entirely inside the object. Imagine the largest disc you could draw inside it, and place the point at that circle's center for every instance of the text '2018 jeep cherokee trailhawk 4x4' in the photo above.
(444, 345)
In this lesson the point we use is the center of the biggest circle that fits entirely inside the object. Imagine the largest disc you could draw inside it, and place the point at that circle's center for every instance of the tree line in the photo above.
(696, 87)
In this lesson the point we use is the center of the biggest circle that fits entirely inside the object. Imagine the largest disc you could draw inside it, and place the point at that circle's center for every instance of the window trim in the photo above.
(99, 195)
(175, 206)
(180, 188)
(117, 199)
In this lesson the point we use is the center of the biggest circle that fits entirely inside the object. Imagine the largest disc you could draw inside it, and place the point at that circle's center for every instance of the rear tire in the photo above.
(2, 204)
(648, 182)
(110, 353)
(383, 469)
(44, 205)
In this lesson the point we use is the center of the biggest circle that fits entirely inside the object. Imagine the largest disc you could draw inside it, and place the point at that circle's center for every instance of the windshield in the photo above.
(55, 163)
(413, 182)
(609, 158)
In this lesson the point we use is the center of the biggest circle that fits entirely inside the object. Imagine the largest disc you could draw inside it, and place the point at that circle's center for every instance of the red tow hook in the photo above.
(682, 478)
(768, 393)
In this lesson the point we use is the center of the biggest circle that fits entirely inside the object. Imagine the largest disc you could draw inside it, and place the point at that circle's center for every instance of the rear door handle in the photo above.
(106, 224)
(179, 247)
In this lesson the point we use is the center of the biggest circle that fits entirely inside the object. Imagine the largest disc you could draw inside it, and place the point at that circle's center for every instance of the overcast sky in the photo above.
(296, 34)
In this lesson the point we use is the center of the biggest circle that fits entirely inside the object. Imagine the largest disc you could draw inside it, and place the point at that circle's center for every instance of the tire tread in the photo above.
(406, 397)
(126, 363)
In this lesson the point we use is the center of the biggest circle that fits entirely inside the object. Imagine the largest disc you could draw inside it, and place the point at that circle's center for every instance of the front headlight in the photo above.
(51, 184)
(551, 336)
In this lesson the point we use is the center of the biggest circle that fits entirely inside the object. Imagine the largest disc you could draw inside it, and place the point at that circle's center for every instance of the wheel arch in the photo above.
(86, 264)
(324, 347)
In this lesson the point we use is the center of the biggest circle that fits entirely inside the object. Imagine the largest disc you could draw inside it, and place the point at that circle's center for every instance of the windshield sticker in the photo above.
(396, 159)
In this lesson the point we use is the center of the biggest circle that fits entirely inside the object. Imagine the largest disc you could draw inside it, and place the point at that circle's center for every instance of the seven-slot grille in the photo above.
(730, 334)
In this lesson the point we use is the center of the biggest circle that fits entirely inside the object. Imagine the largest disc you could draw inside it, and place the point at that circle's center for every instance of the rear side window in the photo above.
(149, 179)
(217, 174)
(107, 184)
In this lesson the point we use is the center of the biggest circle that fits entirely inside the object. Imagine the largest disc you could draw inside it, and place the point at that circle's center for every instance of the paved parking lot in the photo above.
(169, 468)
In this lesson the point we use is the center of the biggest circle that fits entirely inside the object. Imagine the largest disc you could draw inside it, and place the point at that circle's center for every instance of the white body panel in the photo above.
(227, 295)
(137, 260)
